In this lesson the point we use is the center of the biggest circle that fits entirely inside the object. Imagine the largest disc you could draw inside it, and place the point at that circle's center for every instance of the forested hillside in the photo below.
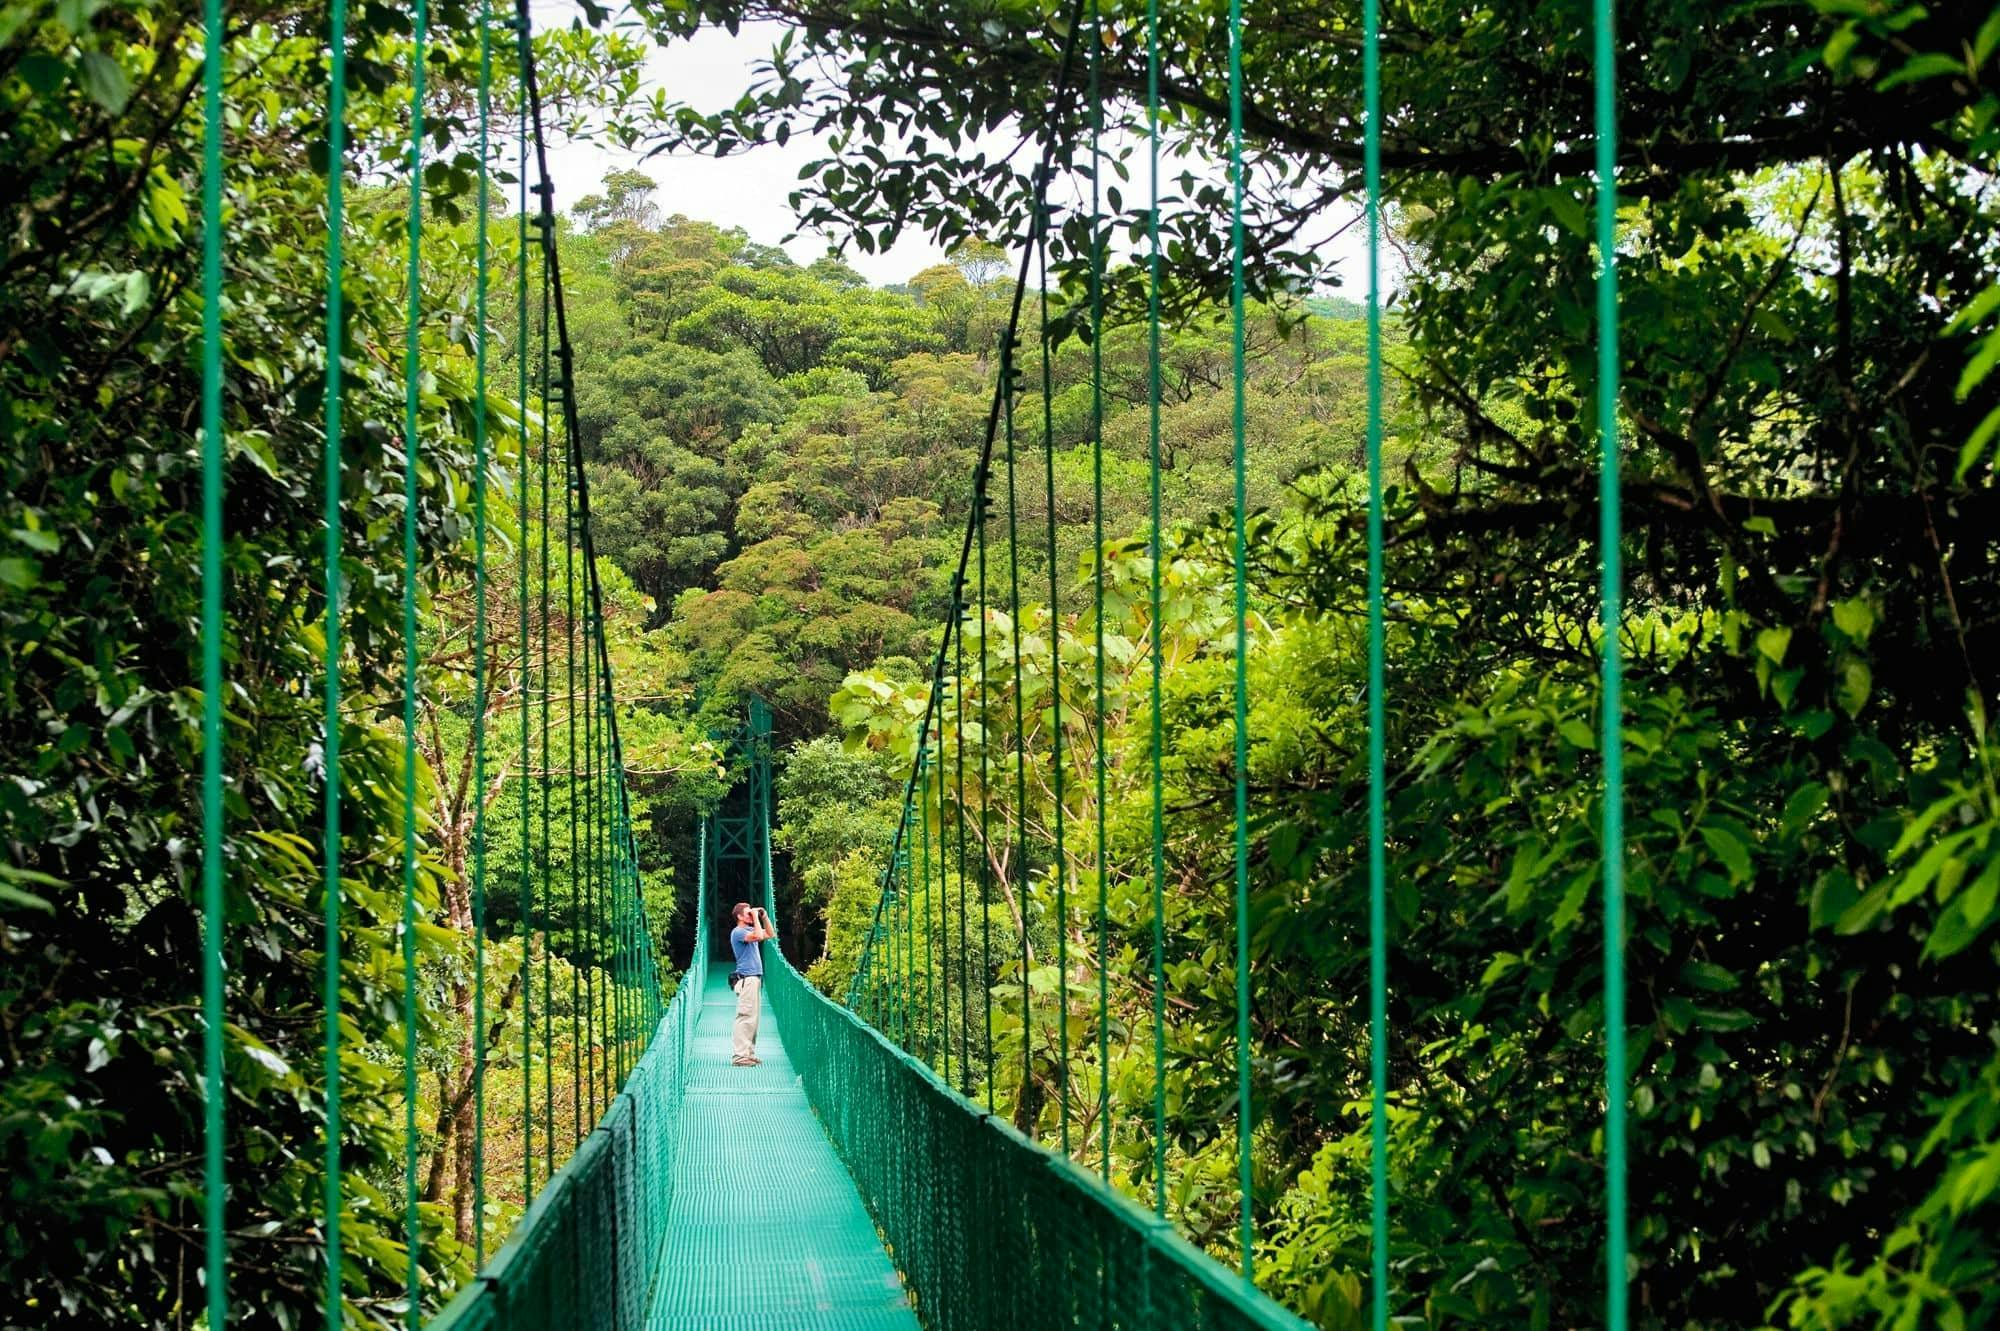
(782, 455)
(1805, 218)
(783, 463)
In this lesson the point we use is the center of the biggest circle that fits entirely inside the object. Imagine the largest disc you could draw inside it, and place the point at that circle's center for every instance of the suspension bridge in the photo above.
(862, 1176)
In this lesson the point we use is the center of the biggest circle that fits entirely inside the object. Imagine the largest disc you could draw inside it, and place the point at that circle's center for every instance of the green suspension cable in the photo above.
(527, 802)
(1020, 864)
(1604, 73)
(1153, 592)
(569, 731)
(1245, 1124)
(1096, 103)
(336, 215)
(588, 913)
(958, 816)
(924, 832)
(481, 692)
(542, 522)
(902, 958)
(412, 391)
(1378, 879)
(213, 904)
(1055, 703)
(985, 786)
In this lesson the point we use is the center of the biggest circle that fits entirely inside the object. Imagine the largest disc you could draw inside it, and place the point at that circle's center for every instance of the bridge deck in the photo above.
(767, 1232)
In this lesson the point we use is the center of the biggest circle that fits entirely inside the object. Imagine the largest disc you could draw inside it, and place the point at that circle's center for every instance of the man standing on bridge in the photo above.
(753, 926)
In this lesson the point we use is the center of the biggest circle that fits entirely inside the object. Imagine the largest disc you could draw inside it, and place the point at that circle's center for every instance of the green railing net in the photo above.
(988, 1229)
(586, 1252)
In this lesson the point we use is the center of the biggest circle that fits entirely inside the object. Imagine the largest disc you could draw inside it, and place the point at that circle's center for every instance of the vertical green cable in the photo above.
(1604, 73)
(1153, 591)
(213, 904)
(985, 788)
(1245, 1125)
(587, 958)
(542, 523)
(958, 738)
(1378, 892)
(412, 390)
(906, 936)
(527, 894)
(1020, 863)
(621, 958)
(336, 215)
(909, 931)
(1055, 705)
(481, 697)
(924, 829)
(1097, 585)
(605, 883)
(900, 956)
(569, 729)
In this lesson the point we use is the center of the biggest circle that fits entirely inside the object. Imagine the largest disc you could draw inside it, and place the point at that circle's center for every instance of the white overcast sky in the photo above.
(750, 190)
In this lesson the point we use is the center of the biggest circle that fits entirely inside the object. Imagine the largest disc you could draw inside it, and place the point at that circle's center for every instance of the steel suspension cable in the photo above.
(571, 874)
(482, 698)
(590, 862)
(1095, 100)
(1245, 1124)
(985, 785)
(1378, 893)
(1019, 864)
(547, 778)
(924, 832)
(1055, 712)
(958, 817)
(525, 902)
(1157, 632)
(1604, 76)
(214, 906)
(412, 382)
(336, 160)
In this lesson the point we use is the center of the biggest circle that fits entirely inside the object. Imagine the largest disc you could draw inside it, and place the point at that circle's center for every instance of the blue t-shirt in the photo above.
(749, 957)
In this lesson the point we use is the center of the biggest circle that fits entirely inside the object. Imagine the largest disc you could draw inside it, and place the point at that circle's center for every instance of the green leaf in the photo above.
(105, 80)
(1571, 905)
(1708, 976)
(1724, 846)
(1981, 365)
(1928, 65)
(1577, 734)
(20, 574)
(1854, 617)
(1856, 682)
(1563, 206)
(1988, 38)
(1832, 895)
(1968, 916)
(13, 896)
(1975, 443)
(1803, 805)
(1773, 643)
(42, 72)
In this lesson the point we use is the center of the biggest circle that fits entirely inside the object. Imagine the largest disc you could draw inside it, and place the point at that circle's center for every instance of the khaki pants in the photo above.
(749, 1003)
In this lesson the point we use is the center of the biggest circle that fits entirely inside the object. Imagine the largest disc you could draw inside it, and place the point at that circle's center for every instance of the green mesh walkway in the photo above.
(765, 1231)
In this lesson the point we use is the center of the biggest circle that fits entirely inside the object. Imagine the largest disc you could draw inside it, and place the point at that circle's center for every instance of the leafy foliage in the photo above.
(101, 1095)
(1807, 340)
